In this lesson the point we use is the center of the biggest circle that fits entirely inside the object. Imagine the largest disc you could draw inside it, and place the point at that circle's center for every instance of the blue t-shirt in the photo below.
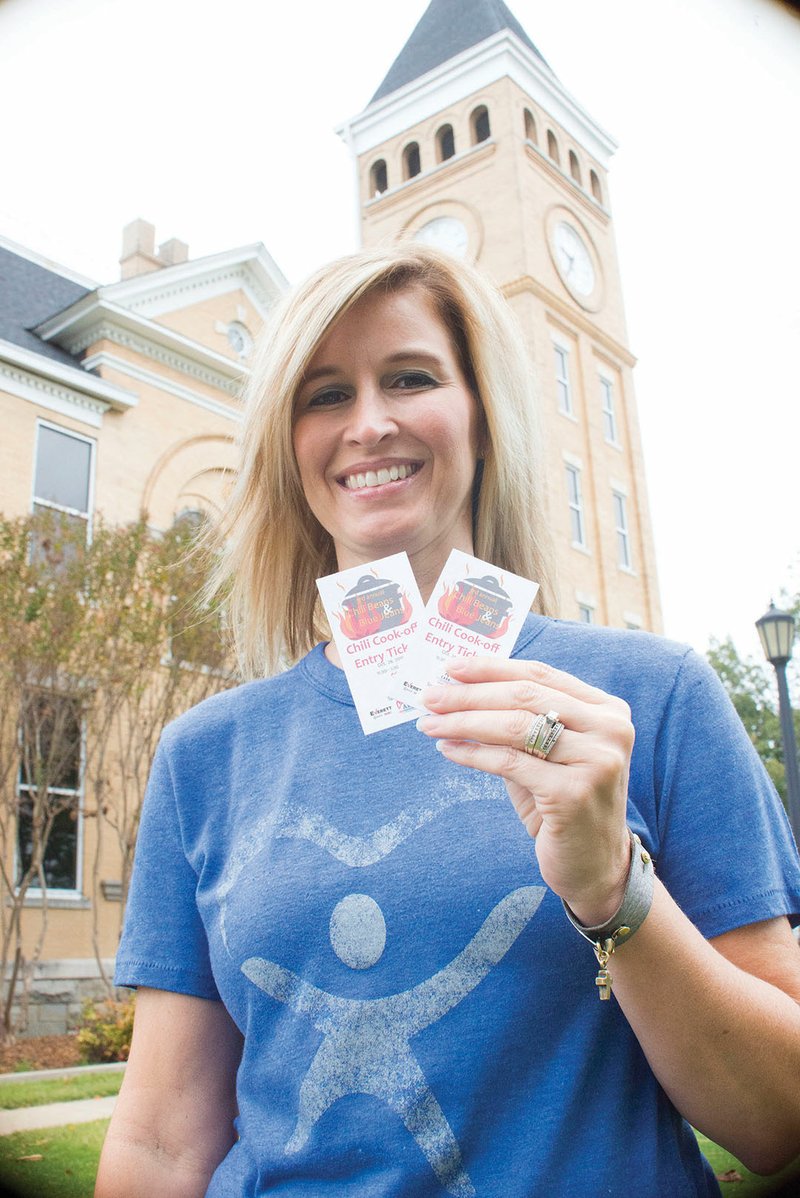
(419, 1017)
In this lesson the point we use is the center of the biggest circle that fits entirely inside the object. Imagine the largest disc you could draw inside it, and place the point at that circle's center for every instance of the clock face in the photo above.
(446, 233)
(573, 259)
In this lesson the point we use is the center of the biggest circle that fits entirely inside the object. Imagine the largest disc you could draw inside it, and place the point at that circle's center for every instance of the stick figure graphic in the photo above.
(366, 1047)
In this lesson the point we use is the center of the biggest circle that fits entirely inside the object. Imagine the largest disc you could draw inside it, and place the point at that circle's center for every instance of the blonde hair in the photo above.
(273, 548)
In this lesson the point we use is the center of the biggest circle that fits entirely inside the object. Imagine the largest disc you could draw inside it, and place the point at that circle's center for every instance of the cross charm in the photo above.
(603, 980)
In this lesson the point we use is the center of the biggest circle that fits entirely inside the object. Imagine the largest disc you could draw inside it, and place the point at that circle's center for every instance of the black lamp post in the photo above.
(776, 630)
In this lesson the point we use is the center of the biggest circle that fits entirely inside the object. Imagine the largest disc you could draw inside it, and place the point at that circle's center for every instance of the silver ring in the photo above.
(549, 741)
(532, 735)
(542, 734)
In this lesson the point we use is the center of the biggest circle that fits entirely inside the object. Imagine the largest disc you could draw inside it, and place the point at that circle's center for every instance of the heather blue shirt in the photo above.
(419, 1018)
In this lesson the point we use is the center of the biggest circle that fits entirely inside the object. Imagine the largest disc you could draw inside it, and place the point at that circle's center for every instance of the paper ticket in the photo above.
(475, 609)
(374, 612)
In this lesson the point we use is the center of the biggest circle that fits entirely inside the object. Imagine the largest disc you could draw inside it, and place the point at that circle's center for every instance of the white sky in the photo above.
(216, 123)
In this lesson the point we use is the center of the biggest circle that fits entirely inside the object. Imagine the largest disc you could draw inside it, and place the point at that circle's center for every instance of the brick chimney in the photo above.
(138, 249)
(172, 252)
(139, 255)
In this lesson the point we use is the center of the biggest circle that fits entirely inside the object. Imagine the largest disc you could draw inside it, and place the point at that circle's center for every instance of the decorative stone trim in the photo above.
(48, 394)
(142, 375)
(106, 331)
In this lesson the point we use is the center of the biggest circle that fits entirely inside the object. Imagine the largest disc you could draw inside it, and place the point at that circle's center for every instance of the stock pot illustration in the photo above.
(372, 605)
(479, 604)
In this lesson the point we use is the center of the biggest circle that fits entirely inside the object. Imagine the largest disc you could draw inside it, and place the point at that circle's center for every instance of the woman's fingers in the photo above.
(507, 729)
(490, 669)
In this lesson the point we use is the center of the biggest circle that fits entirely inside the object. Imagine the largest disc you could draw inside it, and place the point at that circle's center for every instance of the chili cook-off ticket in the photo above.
(374, 612)
(475, 609)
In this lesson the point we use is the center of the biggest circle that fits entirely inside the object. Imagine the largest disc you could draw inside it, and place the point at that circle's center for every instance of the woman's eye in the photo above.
(327, 399)
(410, 380)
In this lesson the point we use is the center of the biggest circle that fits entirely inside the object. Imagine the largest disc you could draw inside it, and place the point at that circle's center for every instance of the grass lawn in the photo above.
(64, 1089)
(63, 1161)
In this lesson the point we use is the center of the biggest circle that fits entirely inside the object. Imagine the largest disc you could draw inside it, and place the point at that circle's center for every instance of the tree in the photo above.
(100, 646)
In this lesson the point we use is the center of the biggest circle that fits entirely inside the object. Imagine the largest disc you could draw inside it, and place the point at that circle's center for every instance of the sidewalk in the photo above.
(56, 1114)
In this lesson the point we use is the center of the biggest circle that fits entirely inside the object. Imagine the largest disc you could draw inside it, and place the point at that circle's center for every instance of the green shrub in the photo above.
(105, 1029)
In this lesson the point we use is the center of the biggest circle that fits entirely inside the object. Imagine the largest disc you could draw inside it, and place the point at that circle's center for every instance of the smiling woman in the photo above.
(379, 935)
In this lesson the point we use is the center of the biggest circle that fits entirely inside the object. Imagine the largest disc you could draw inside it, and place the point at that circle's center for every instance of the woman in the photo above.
(359, 942)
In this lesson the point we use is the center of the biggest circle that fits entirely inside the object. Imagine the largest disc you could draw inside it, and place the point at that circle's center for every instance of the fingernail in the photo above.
(424, 722)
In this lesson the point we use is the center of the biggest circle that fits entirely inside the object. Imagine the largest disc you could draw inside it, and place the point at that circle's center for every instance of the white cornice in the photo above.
(159, 381)
(499, 56)
(250, 268)
(57, 378)
(94, 319)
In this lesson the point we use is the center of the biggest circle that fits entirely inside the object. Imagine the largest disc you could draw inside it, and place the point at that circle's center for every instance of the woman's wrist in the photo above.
(599, 906)
(632, 908)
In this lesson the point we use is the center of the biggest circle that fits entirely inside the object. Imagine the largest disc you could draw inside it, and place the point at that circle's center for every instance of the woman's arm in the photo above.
(720, 1025)
(173, 1121)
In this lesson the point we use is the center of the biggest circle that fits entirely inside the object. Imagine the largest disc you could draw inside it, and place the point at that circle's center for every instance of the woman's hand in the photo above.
(573, 803)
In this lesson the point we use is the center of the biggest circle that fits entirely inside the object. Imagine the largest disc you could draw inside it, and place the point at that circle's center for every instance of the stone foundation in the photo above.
(57, 994)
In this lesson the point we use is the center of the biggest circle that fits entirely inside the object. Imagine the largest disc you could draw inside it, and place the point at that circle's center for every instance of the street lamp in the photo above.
(776, 630)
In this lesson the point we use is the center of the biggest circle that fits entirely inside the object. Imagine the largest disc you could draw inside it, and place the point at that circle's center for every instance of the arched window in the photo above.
(479, 125)
(574, 166)
(597, 190)
(411, 163)
(445, 143)
(378, 178)
(530, 126)
(552, 147)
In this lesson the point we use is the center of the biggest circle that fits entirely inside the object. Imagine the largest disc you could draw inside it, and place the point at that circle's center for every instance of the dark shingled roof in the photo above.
(29, 294)
(445, 29)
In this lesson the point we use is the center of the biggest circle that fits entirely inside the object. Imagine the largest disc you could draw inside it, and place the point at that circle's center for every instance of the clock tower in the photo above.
(471, 143)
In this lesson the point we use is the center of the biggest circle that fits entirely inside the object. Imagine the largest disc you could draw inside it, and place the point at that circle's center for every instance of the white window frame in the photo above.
(561, 354)
(619, 501)
(74, 893)
(585, 613)
(577, 514)
(87, 515)
(608, 410)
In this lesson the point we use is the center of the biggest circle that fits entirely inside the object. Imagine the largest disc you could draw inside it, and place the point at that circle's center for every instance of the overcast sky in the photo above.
(216, 123)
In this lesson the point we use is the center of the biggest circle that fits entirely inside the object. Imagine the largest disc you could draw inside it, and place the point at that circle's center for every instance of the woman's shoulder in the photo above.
(229, 708)
(623, 661)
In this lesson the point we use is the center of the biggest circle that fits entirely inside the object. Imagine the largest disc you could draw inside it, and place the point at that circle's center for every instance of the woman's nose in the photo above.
(370, 418)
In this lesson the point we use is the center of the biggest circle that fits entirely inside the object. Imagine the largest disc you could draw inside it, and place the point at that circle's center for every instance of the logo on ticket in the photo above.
(371, 606)
(479, 604)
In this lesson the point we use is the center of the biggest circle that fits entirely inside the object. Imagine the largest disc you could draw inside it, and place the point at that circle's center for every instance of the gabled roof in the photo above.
(29, 294)
(445, 29)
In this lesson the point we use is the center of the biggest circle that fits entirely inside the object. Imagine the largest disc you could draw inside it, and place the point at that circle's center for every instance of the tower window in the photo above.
(378, 178)
(609, 414)
(597, 190)
(576, 513)
(562, 380)
(574, 166)
(411, 162)
(479, 124)
(552, 147)
(621, 530)
(530, 127)
(445, 143)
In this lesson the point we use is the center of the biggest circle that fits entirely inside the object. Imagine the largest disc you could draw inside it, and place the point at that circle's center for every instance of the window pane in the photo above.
(61, 850)
(50, 735)
(62, 469)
